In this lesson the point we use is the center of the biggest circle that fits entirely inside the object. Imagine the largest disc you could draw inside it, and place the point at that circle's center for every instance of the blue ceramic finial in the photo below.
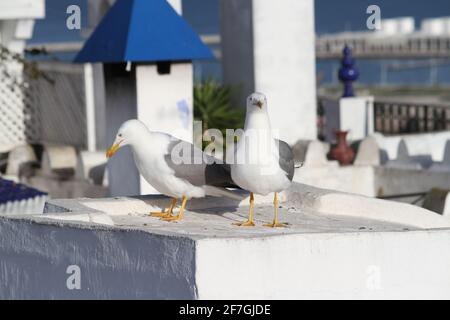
(348, 72)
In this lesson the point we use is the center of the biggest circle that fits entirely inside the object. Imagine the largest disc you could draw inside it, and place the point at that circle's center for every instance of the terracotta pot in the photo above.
(342, 152)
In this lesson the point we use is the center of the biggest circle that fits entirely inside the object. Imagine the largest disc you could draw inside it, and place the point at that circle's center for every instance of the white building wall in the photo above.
(22, 9)
(433, 144)
(282, 60)
(366, 265)
(352, 114)
(165, 102)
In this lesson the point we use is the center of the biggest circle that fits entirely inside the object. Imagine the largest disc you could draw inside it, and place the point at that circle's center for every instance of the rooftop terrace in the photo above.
(333, 245)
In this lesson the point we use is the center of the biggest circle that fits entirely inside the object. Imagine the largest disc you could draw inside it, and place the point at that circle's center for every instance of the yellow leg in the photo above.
(249, 222)
(167, 214)
(179, 216)
(275, 222)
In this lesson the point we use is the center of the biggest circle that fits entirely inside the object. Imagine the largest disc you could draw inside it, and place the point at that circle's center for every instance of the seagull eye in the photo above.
(120, 135)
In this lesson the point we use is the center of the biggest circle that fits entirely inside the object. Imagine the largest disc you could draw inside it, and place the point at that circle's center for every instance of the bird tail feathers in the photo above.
(222, 192)
(299, 165)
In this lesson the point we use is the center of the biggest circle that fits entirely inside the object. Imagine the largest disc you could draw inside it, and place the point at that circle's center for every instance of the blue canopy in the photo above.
(143, 31)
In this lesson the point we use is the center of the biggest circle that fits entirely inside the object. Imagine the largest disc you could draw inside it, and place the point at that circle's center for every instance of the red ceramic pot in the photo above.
(342, 152)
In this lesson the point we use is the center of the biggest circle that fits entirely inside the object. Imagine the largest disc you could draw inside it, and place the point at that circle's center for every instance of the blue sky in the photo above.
(333, 15)
(203, 15)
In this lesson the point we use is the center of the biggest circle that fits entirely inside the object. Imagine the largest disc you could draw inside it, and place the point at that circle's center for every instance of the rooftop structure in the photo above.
(127, 33)
(146, 50)
(335, 246)
(17, 22)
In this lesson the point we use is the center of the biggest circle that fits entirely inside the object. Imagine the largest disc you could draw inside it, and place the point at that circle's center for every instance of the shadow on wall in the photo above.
(136, 273)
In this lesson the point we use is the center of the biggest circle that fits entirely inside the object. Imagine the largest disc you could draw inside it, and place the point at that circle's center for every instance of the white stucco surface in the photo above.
(353, 179)
(335, 246)
(284, 65)
(357, 116)
(353, 114)
(268, 47)
(372, 265)
(17, 156)
(22, 9)
(373, 181)
(58, 157)
(431, 144)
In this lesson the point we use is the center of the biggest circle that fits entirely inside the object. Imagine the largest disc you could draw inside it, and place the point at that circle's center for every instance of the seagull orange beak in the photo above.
(111, 151)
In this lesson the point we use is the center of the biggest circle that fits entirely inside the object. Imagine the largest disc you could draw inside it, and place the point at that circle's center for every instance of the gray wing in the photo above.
(190, 163)
(286, 158)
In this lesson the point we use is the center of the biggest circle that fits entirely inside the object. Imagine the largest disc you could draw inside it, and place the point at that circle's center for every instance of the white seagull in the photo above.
(261, 164)
(161, 159)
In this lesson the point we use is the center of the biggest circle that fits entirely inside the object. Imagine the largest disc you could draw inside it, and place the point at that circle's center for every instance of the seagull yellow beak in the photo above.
(111, 151)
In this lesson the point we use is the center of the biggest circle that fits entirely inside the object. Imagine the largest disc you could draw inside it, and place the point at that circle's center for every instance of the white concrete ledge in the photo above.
(336, 246)
(299, 199)
(373, 180)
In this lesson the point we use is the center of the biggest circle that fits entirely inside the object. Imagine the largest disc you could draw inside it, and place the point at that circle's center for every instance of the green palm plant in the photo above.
(212, 106)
